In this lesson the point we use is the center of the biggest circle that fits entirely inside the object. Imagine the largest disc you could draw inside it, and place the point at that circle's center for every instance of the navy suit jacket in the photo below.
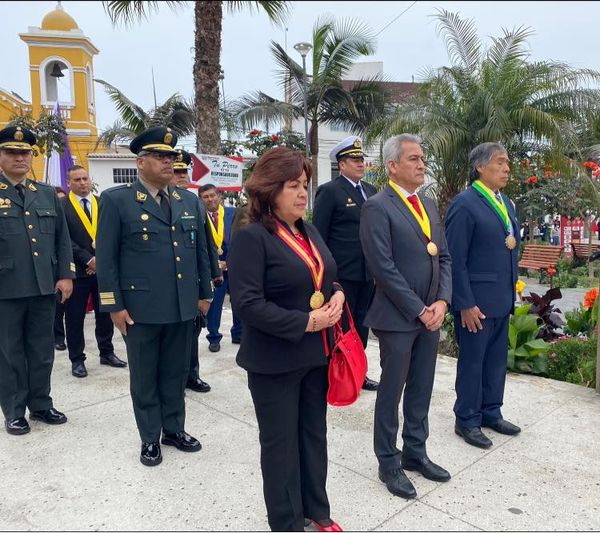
(336, 214)
(484, 270)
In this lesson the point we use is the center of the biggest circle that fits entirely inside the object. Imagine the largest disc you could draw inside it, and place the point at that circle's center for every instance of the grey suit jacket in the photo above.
(406, 277)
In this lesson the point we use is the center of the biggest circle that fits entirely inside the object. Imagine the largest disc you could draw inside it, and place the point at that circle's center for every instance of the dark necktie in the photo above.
(215, 218)
(86, 209)
(415, 203)
(360, 194)
(499, 197)
(21, 190)
(164, 205)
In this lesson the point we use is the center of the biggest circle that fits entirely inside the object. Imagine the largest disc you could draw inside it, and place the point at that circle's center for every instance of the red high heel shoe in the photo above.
(331, 527)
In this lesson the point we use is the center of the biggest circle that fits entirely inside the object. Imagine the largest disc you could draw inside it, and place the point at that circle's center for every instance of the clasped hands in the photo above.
(328, 315)
(433, 316)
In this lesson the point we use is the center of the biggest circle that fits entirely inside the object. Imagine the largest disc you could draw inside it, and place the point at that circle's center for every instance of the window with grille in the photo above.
(124, 175)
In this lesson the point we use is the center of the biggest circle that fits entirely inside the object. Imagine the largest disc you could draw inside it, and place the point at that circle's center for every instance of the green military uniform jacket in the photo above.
(35, 247)
(155, 268)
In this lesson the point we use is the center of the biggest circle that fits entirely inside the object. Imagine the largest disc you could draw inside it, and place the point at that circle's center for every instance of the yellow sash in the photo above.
(90, 226)
(424, 220)
(219, 235)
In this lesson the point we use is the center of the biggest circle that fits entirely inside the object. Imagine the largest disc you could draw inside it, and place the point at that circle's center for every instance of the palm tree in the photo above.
(175, 113)
(492, 94)
(336, 46)
(208, 15)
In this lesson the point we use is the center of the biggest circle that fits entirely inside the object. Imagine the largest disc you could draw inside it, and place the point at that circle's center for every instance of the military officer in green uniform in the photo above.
(181, 179)
(36, 269)
(153, 277)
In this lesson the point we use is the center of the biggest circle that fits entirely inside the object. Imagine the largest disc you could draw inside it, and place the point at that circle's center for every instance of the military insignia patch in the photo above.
(2, 202)
(19, 134)
(72, 267)
(32, 187)
(3, 186)
(141, 196)
(168, 136)
(176, 195)
(357, 144)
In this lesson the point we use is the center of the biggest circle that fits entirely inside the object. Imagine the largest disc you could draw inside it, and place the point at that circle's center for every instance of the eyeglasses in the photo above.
(161, 156)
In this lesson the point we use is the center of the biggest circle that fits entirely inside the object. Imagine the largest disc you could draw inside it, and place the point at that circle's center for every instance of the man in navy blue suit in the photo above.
(483, 238)
(220, 219)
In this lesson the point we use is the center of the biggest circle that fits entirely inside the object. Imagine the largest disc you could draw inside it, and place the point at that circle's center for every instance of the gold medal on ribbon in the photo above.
(220, 251)
(510, 242)
(317, 300)
(432, 249)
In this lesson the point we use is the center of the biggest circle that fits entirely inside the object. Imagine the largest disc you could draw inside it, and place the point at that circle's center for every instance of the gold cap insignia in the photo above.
(144, 216)
(19, 134)
(176, 195)
(32, 187)
(357, 144)
(179, 157)
(141, 196)
(168, 137)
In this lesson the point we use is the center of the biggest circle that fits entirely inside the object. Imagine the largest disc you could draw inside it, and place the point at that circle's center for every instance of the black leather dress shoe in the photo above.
(503, 426)
(397, 483)
(151, 455)
(182, 441)
(370, 384)
(112, 360)
(60, 346)
(197, 385)
(473, 436)
(49, 416)
(426, 468)
(79, 370)
(17, 426)
(214, 347)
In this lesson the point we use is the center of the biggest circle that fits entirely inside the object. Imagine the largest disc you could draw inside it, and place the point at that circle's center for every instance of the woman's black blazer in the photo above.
(270, 291)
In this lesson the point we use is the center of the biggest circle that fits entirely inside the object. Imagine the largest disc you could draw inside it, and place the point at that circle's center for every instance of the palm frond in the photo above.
(132, 115)
(128, 12)
(114, 134)
(278, 11)
(462, 41)
(257, 108)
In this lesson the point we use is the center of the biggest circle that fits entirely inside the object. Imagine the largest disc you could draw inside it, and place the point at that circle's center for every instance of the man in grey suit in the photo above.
(406, 253)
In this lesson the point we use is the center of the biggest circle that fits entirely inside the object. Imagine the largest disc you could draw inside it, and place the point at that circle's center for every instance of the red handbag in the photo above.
(348, 365)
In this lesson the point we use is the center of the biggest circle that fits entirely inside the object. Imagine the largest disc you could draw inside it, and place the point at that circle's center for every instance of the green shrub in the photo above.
(564, 265)
(448, 345)
(565, 280)
(526, 353)
(573, 360)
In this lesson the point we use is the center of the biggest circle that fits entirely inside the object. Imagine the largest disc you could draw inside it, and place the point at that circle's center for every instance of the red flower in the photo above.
(275, 138)
(532, 179)
(590, 164)
(590, 298)
(596, 173)
(551, 271)
(254, 132)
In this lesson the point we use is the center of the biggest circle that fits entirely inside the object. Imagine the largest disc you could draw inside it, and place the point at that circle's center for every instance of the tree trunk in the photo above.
(207, 68)
(313, 136)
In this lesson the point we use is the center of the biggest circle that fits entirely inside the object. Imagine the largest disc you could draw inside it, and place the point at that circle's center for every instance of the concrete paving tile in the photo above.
(547, 478)
(216, 488)
(421, 517)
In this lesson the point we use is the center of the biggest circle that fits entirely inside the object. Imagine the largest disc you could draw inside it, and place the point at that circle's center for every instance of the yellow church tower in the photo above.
(61, 66)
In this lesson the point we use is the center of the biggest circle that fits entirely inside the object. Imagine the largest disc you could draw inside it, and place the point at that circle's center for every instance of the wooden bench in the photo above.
(582, 251)
(539, 256)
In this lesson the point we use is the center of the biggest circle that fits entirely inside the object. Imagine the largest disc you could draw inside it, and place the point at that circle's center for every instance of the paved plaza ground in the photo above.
(85, 475)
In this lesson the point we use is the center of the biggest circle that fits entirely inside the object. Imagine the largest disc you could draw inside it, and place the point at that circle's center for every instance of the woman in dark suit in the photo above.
(282, 286)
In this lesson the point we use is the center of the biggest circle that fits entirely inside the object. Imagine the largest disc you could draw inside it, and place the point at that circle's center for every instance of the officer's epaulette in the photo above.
(121, 187)
(38, 184)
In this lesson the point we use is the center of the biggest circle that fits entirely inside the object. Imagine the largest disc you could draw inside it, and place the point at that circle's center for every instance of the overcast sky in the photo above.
(563, 31)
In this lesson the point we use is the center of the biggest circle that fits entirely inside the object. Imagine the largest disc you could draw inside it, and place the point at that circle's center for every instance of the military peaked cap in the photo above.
(17, 138)
(160, 139)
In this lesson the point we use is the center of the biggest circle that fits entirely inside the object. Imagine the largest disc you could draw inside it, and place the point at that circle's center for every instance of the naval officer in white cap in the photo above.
(336, 215)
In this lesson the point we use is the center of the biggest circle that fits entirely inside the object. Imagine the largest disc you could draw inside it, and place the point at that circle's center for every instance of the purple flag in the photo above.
(57, 165)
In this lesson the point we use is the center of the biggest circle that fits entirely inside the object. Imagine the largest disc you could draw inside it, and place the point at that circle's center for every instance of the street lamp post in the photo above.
(303, 49)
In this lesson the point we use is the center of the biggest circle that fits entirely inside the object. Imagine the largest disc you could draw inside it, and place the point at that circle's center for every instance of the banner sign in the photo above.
(225, 173)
